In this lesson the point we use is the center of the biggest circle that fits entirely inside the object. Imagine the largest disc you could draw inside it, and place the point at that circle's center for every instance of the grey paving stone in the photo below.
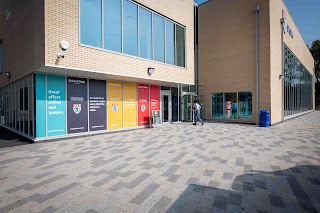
(220, 202)
(232, 168)
(235, 199)
(162, 205)
(92, 211)
(43, 175)
(142, 196)
(49, 209)
(227, 175)
(276, 201)
(138, 180)
(208, 173)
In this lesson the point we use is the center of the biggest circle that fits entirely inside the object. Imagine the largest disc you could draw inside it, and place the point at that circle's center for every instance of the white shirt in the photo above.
(197, 107)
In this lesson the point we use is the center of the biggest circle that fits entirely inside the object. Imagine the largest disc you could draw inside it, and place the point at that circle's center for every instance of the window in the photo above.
(170, 42)
(112, 25)
(297, 85)
(158, 35)
(126, 27)
(130, 28)
(21, 98)
(217, 105)
(180, 46)
(145, 27)
(245, 105)
(232, 105)
(91, 23)
(26, 99)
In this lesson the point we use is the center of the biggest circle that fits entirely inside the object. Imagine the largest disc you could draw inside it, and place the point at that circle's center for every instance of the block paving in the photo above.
(216, 167)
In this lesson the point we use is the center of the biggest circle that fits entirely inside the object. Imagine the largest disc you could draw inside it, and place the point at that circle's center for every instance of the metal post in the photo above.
(282, 72)
(256, 10)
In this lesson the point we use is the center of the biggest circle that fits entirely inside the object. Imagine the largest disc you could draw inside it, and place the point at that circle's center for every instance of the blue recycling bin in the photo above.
(264, 118)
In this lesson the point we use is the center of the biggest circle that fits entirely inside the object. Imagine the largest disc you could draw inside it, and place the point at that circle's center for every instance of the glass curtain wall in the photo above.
(126, 27)
(232, 106)
(17, 106)
(297, 85)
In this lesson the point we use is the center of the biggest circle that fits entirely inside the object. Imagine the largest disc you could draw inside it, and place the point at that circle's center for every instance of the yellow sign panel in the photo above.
(130, 104)
(114, 104)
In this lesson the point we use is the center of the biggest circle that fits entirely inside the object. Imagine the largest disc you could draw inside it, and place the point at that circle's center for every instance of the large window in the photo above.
(180, 43)
(170, 44)
(145, 32)
(297, 85)
(91, 23)
(112, 25)
(126, 27)
(158, 35)
(232, 106)
(130, 28)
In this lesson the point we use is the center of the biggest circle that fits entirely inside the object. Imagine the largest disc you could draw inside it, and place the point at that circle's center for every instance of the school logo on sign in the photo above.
(115, 107)
(143, 108)
(77, 108)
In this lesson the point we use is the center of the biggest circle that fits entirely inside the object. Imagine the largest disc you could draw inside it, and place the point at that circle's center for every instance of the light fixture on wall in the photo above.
(7, 74)
(64, 45)
(151, 70)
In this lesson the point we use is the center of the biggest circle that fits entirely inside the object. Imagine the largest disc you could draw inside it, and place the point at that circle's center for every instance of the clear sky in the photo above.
(306, 15)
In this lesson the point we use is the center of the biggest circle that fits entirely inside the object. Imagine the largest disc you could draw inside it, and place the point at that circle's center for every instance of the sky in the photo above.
(306, 15)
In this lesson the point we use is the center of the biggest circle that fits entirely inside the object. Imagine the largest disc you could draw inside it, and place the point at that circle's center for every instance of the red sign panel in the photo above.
(154, 98)
(143, 105)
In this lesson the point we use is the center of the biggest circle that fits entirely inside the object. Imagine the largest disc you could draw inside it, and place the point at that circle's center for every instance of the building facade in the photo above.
(252, 57)
(86, 66)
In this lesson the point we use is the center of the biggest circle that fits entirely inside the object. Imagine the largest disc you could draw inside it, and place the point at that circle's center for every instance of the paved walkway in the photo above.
(174, 168)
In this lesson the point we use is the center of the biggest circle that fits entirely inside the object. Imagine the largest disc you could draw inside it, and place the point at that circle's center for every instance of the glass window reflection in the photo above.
(130, 28)
(180, 46)
(112, 25)
(170, 42)
(158, 35)
(145, 31)
(297, 85)
(91, 23)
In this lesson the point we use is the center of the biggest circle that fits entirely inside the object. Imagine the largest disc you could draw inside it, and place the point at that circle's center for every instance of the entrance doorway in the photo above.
(166, 105)
(187, 100)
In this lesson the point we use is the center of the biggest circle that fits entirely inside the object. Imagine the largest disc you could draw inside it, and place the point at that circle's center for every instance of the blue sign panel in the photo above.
(56, 105)
(40, 105)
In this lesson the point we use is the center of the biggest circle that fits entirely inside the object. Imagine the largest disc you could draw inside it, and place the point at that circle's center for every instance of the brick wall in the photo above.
(227, 50)
(62, 22)
(23, 38)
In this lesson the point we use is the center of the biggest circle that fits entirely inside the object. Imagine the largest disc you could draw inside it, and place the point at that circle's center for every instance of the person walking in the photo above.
(197, 109)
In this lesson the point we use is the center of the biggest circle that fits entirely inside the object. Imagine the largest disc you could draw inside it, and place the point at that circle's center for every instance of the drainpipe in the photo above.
(282, 21)
(256, 9)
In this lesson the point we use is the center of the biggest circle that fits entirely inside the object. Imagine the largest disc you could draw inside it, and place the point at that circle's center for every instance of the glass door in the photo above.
(187, 108)
(166, 113)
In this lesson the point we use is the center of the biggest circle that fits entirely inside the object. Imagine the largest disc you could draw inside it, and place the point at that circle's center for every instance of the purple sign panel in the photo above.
(97, 105)
(77, 117)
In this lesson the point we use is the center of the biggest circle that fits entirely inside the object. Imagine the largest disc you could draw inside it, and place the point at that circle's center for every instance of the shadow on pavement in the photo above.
(9, 139)
(296, 189)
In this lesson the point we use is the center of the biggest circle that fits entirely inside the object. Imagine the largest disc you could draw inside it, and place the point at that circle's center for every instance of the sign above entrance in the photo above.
(285, 25)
